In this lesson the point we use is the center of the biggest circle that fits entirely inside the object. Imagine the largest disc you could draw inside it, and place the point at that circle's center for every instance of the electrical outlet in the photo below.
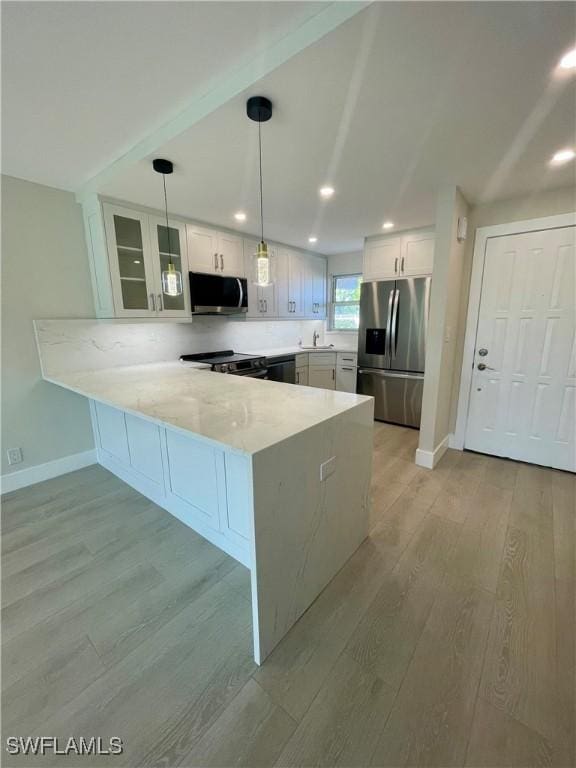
(14, 455)
(327, 468)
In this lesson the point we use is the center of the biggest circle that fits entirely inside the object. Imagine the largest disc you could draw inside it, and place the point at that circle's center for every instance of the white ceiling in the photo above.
(82, 82)
(397, 101)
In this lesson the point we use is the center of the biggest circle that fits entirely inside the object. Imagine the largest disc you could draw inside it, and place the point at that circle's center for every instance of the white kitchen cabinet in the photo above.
(138, 253)
(346, 378)
(231, 255)
(382, 258)
(195, 477)
(129, 248)
(214, 252)
(322, 376)
(417, 254)
(169, 245)
(262, 299)
(202, 249)
(132, 272)
(395, 256)
(315, 286)
(290, 274)
(302, 375)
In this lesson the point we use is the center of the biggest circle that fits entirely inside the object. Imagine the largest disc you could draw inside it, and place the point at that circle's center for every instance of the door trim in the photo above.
(483, 234)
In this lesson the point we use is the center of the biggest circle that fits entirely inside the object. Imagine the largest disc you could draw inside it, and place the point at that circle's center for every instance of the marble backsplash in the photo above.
(66, 346)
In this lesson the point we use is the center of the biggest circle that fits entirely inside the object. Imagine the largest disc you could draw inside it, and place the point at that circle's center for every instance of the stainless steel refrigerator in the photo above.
(392, 347)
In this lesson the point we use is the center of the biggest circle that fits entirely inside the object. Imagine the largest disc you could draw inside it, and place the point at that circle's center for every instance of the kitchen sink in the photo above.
(318, 346)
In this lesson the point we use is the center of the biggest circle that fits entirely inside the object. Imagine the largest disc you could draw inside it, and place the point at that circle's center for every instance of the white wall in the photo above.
(44, 274)
(445, 298)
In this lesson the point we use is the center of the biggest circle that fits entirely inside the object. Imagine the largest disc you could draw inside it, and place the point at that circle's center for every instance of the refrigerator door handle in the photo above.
(384, 372)
(388, 342)
(394, 337)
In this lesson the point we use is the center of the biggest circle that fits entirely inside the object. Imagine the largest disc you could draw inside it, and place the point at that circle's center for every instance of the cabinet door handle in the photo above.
(153, 302)
(297, 377)
(216, 262)
(396, 265)
(221, 263)
(265, 305)
(343, 368)
(402, 265)
(160, 303)
(333, 374)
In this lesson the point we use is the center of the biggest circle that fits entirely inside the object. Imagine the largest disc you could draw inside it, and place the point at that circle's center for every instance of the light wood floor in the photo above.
(447, 640)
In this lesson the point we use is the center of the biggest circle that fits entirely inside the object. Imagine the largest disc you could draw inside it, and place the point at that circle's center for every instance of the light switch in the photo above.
(327, 468)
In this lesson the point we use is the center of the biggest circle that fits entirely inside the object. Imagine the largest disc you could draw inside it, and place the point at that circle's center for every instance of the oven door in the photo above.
(217, 294)
(260, 374)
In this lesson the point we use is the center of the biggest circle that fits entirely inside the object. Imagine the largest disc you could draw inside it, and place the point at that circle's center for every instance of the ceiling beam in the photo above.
(228, 86)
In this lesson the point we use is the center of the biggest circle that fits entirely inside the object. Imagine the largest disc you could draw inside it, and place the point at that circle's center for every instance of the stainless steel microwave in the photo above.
(218, 294)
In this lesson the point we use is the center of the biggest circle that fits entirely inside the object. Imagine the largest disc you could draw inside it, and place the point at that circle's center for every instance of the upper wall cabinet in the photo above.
(315, 285)
(408, 255)
(214, 252)
(139, 249)
(262, 299)
(290, 275)
(129, 249)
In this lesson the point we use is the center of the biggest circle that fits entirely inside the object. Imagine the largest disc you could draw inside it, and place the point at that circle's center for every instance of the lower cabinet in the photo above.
(322, 376)
(206, 487)
(346, 378)
(302, 375)
(195, 476)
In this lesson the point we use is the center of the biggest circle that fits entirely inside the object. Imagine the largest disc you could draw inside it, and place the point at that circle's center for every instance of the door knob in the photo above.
(484, 367)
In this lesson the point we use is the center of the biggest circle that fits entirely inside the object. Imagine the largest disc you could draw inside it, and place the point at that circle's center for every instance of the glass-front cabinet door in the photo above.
(133, 280)
(169, 245)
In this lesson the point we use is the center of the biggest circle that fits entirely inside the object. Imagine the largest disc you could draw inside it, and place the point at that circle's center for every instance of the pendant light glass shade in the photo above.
(263, 265)
(172, 281)
(171, 277)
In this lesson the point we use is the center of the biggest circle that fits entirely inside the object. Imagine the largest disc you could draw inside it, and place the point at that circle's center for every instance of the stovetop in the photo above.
(216, 358)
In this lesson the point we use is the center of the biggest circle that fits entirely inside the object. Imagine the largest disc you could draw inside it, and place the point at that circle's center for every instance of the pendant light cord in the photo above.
(261, 202)
(167, 227)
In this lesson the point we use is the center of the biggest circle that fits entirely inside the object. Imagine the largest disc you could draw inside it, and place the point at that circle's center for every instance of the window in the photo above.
(345, 304)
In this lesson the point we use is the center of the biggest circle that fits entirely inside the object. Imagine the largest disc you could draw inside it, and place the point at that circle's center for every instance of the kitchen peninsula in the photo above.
(276, 475)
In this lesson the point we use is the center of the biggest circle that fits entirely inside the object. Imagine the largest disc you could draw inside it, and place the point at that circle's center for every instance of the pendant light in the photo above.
(171, 277)
(259, 109)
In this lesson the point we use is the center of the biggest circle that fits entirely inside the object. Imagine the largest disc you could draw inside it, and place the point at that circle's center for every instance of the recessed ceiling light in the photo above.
(312, 239)
(240, 216)
(388, 225)
(562, 156)
(326, 192)
(568, 61)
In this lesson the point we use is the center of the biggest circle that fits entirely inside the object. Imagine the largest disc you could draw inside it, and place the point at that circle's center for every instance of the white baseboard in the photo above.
(13, 481)
(429, 459)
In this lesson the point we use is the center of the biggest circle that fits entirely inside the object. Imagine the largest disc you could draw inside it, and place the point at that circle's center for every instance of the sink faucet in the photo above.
(315, 337)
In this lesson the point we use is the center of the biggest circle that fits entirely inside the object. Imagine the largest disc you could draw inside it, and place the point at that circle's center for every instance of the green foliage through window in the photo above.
(346, 302)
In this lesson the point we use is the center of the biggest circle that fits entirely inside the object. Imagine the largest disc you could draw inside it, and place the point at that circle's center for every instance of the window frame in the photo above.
(333, 303)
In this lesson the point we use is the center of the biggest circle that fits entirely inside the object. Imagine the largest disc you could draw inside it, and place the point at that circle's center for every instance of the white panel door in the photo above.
(524, 380)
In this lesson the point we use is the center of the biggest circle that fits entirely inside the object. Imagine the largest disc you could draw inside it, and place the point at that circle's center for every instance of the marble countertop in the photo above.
(239, 413)
(296, 350)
